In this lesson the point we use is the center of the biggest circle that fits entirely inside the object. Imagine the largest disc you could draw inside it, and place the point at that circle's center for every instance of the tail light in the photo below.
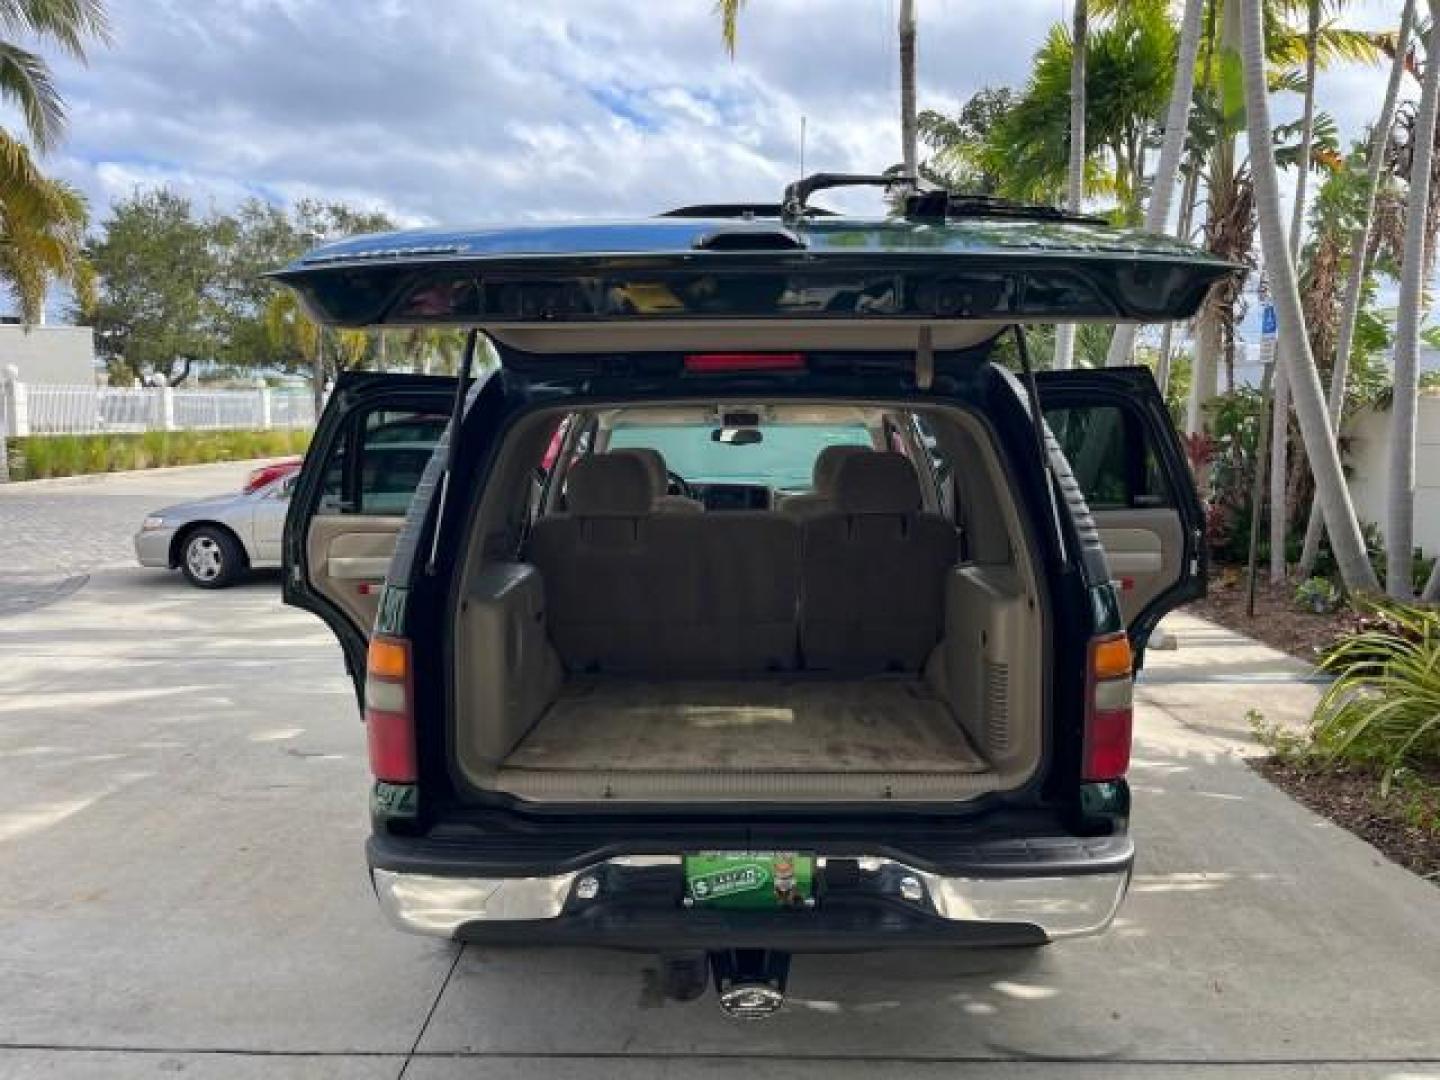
(714, 363)
(1109, 709)
(389, 710)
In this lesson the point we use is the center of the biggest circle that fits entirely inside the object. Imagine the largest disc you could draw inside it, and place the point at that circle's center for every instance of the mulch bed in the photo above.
(1352, 800)
(1277, 622)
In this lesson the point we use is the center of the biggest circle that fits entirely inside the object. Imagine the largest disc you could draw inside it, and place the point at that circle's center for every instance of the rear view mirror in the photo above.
(745, 436)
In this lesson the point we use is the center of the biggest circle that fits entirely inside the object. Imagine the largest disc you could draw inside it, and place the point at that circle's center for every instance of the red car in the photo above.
(268, 474)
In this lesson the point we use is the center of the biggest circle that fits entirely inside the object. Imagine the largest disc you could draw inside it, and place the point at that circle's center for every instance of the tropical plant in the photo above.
(1400, 509)
(1330, 486)
(42, 221)
(1383, 709)
(956, 143)
(1167, 170)
(909, 138)
(1317, 595)
(1129, 66)
(1280, 418)
(1076, 154)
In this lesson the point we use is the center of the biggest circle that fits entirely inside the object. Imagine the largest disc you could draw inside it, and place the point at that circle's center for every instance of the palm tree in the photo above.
(1355, 281)
(1129, 70)
(1400, 509)
(908, 127)
(1280, 422)
(1219, 118)
(42, 222)
(1075, 169)
(1330, 487)
(1177, 124)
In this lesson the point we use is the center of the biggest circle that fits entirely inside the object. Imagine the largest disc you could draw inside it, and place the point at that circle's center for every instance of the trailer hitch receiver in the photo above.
(750, 982)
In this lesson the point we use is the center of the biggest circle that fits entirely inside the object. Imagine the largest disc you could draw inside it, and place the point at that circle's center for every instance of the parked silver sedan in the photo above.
(214, 541)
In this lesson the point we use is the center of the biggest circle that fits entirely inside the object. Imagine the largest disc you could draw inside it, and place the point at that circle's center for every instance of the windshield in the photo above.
(784, 458)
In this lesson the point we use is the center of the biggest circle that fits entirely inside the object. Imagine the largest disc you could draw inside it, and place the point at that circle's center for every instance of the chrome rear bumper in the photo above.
(1058, 906)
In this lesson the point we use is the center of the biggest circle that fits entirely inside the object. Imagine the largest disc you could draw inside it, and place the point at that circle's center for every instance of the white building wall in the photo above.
(1369, 459)
(49, 354)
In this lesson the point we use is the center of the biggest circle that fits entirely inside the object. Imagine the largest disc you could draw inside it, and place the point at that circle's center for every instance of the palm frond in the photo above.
(25, 82)
(729, 12)
(66, 23)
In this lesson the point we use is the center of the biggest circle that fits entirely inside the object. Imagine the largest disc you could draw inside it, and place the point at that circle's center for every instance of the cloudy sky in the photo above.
(470, 110)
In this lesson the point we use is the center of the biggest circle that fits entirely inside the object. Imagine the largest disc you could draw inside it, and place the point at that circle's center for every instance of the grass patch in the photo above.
(38, 457)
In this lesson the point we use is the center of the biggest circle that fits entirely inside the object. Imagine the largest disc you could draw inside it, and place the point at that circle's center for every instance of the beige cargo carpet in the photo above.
(761, 739)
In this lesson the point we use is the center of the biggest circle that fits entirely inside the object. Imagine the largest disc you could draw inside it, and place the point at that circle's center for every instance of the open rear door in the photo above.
(371, 446)
(1127, 458)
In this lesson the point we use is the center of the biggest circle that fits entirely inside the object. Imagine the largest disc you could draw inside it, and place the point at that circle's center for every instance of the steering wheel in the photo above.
(679, 485)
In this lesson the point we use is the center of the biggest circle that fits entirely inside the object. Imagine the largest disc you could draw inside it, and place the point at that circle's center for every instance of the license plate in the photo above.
(750, 880)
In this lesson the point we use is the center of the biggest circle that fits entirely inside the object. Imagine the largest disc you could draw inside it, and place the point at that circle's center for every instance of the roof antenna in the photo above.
(802, 146)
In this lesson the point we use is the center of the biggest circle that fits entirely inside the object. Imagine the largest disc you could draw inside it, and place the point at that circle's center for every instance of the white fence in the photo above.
(34, 409)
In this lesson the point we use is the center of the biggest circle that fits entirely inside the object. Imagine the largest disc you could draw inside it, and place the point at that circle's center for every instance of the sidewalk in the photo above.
(1216, 676)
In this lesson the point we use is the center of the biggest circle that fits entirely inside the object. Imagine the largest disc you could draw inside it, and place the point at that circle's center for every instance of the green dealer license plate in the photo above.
(750, 880)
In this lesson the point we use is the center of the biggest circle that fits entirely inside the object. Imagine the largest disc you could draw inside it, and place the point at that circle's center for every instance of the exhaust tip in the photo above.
(751, 1001)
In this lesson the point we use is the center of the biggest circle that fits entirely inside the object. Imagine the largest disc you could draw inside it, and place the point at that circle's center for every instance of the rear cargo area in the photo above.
(810, 737)
(643, 650)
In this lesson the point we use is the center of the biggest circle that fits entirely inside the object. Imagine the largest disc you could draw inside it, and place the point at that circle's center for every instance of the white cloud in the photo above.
(483, 109)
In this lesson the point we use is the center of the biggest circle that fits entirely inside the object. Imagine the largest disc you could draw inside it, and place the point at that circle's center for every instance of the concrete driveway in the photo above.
(182, 886)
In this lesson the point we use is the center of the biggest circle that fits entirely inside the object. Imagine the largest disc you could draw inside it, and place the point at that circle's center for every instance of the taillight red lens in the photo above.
(1109, 712)
(389, 711)
(710, 363)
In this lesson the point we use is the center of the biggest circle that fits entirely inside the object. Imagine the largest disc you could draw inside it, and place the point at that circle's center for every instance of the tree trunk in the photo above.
(1204, 371)
(1355, 282)
(1075, 174)
(1330, 487)
(1400, 511)
(1177, 124)
(1280, 425)
(908, 128)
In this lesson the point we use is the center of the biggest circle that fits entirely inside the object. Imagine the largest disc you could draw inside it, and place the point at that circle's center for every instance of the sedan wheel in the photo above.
(211, 559)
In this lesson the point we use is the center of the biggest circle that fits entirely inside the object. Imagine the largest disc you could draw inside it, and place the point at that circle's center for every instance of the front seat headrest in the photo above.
(608, 485)
(654, 466)
(828, 462)
(877, 483)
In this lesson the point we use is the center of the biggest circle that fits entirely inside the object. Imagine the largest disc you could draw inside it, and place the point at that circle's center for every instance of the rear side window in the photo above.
(378, 469)
(1112, 476)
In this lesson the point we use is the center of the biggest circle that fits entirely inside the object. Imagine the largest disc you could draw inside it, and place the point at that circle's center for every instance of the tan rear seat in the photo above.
(630, 590)
(595, 560)
(873, 571)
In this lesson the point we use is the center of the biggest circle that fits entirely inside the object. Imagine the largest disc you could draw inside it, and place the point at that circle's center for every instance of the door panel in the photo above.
(349, 503)
(348, 557)
(1126, 457)
(1143, 548)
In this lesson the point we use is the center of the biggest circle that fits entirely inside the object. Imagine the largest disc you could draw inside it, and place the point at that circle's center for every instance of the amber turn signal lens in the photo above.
(388, 659)
(1110, 657)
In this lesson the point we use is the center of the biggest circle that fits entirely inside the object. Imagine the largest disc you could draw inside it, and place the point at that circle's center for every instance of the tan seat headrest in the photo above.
(877, 483)
(609, 485)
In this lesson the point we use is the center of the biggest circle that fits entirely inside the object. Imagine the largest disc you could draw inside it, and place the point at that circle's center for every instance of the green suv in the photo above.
(747, 608)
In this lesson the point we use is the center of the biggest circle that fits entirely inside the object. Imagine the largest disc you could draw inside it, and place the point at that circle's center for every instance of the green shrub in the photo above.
(1318, 595)
(1383, 709)
(37, 457)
